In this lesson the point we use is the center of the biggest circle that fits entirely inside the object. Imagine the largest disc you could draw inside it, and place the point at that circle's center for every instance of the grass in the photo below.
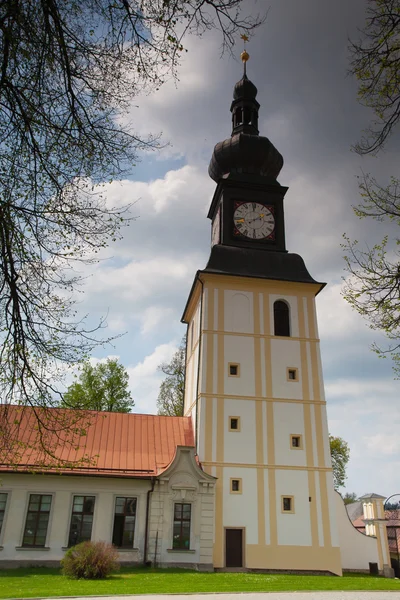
(43, 582)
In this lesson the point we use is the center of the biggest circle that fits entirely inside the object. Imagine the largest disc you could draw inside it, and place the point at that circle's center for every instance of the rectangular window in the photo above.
(296, 441)
(234, 423)
(292, 374)
(181, 534)
(3, 502)
(37, 520)
(233, 370)
(236, 486)
(81, 520)
(288, 504)
(124, 522)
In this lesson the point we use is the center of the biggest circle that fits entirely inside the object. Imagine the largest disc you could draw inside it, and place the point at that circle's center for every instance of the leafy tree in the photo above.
(68, 73)
(172, 389)
(372, 287)
(340, 455)
(102, 387)
(350, 497)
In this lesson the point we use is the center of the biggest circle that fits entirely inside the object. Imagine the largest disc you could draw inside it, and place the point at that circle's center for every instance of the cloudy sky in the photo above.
(299, 62)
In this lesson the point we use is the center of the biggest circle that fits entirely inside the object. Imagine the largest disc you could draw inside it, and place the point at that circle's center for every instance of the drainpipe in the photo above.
(146, 532)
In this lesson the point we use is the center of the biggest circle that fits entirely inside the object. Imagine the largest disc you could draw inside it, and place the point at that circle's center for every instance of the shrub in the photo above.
(90, 560)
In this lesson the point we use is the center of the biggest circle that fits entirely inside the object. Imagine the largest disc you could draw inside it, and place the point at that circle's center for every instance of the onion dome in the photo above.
(245, 151)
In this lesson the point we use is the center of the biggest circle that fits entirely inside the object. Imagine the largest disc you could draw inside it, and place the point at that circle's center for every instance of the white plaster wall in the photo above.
(266, 508)
(240, 446)
(239, 349)
(288, 419)
(294, 316)
(201, 449)
(331, 506)
(238, 313)
(356, 549)
(63, 488)
(293, 529)
(325, 437)
(240, 510)
(285, 353)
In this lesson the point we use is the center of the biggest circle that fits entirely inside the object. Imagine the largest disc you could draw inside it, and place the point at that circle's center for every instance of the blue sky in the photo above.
(309, 110)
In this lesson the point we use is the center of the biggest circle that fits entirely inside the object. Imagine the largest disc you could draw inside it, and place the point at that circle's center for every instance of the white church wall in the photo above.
(240, 510)
(285, 353)
(293, 528)
(239, 349)
(289, 419)
(238, 313)
(240, 446)
(356, 549)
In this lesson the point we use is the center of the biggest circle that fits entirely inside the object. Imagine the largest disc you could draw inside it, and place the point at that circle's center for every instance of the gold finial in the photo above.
(244, 55)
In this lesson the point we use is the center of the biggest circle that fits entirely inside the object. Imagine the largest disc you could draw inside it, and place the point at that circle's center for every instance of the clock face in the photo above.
(215, 230)
(254, 221)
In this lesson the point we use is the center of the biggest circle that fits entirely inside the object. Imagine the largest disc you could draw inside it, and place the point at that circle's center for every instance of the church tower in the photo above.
(254, 386)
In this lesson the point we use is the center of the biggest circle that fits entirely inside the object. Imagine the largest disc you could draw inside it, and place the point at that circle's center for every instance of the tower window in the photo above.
(292, 374)
(234, 423)
(233, 370)
(236, 486)
(287, 504)
(281, 318)
(296, 441)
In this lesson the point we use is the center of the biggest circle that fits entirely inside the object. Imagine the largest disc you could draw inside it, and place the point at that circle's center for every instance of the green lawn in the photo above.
(31, 583)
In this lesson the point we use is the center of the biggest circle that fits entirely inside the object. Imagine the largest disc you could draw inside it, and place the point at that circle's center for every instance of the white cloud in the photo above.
(145, 379)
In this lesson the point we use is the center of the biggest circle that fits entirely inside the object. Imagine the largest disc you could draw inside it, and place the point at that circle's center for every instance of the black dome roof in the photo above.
(244, 89)
(245, 151)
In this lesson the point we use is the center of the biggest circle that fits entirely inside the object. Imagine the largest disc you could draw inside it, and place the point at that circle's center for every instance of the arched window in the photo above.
(281, 318)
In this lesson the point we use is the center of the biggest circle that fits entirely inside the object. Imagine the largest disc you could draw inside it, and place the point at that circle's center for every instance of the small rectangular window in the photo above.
(234, 423)
(181, 533)
(236, 486)
(81, 520)
(124, 522)
(296, 441)
(233, 370)
(292, 374)
(287, 504)
(37, 520)
(3, 502)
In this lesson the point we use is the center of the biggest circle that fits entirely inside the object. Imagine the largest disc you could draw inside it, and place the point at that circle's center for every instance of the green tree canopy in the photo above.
(100, 387)
(350, 497)
(172, 389)
(340, 455)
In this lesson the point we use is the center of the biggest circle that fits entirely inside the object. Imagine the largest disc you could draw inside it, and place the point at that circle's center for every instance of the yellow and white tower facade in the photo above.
(254, 385)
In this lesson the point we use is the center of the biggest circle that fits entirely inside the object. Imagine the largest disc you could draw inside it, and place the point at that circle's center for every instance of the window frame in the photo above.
(7, 494)
(72, 512)
(234, 364)
(287, 497)
(294, 370)
(275, 311)
(38, 513)
(181, 547)
(233, 429)
(296, 436)
(124, 547)
(239, 480)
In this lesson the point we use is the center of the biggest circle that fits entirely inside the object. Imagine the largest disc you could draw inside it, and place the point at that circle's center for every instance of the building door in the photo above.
(234, 547)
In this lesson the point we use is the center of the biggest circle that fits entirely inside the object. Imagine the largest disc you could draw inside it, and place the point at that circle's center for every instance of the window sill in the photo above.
(185, 550)
(34, 548)
(127, 549)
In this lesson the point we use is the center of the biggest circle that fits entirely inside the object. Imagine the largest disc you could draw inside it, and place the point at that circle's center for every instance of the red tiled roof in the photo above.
(119, 444)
